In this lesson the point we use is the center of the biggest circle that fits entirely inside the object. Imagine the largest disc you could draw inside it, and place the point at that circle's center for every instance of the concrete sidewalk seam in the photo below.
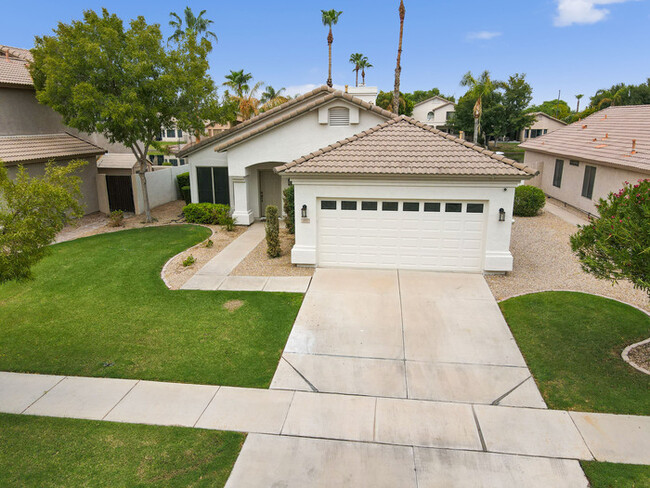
(480, 432)
(496, 402)
(44, 393)
(206, 407)
(123, 397)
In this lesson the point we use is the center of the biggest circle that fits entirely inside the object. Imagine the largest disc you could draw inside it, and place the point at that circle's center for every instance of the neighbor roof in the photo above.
(117, 161)
(604, 137)
(16, 52)
(404, 146)
(42, 147)
(543, 114)
(13, 66)
(290, 109)
(434, 98)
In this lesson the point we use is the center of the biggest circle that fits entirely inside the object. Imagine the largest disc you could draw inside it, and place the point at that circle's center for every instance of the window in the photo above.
(151, 157)
(174, 161)
(160, 158)
(536, 133)
(179, 132)
(573, 162)
(339, 116)
(171, 133)
(453, 207)
(368, 205)
(432, 207)
(431, 115)
(474, 208)
(411, 206)
(545, 131)
(389, 206)
(526, 133)
(182, 161)
(213, 184)
(588, 181)
(449, 116)
(328, 204)
(348, 205)
(557, 175)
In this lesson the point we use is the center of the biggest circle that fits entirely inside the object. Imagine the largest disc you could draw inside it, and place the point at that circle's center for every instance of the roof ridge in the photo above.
(84, 140)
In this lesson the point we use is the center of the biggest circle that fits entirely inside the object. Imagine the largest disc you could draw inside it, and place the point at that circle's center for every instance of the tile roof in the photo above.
(42, 147)
(544, 114)
(14, 72)
(117, 161)
(290, 109)
(604, 137)
(16, 52)
(404, 146)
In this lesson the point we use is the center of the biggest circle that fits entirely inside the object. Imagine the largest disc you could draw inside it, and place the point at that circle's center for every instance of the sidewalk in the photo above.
(350, 418)
(215, 274)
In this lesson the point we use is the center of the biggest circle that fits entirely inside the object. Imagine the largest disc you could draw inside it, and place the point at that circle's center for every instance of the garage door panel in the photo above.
(448, 241)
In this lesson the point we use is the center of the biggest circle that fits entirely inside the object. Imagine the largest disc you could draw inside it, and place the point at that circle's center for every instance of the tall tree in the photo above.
(553, 107)
(578, 97)
(355, 59)
(124, 83)
(398, 67)
(330, 18)
(248, 103)
(478, 88)
(238, 81)
(271, 98)
(364, 64)
(193, 24)
(404, 103)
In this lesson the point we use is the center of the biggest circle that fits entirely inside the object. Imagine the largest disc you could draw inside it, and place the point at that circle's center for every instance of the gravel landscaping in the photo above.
(543, 261)
(640, 355)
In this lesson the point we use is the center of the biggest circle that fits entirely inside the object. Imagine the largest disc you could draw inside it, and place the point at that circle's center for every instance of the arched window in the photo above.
(338, 116)
(430, 115)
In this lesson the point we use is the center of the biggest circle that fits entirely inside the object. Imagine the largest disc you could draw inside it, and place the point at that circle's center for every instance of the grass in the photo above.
(572, 343)
(97, 307)
(52, 452)
(610, 475)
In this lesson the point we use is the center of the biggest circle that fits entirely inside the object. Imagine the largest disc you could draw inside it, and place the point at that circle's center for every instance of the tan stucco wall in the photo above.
(607, 179)
(542, 123)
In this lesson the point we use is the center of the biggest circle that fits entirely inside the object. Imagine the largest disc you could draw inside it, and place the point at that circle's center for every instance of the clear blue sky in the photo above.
(576, 46)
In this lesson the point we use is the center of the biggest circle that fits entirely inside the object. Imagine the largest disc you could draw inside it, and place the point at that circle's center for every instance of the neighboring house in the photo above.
(435, 111)
(32, 134)
(236, 165)
(585, 161)
(544, 124)
(404, 195)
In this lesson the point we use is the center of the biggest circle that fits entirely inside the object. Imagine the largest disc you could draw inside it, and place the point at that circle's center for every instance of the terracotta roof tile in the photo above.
(42, 147)
(604, 137)
(403, 146)
(14, 72)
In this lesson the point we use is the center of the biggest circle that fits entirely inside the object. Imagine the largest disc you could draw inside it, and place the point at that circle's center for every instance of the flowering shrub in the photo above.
(616, 245)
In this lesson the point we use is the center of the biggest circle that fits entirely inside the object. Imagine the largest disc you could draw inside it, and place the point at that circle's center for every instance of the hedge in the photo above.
(206, 213)
(289, 210)
(529, 200)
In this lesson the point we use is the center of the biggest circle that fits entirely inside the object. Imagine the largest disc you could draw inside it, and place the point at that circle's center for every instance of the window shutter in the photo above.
(339, 117)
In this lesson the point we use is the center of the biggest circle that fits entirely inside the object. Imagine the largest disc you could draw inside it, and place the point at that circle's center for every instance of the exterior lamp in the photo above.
(304, 211)
(502, 215)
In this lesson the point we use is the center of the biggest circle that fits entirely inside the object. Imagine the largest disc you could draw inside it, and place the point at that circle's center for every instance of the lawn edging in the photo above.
(626, 351)
(164, 268)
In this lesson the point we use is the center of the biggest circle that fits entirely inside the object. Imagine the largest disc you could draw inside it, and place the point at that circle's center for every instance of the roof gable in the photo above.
(404, 146)
(436, 97)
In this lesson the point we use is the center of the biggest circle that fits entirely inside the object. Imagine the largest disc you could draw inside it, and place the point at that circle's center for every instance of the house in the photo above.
(435, 111)
(543, 124)
(404, 195)
(580, 163)
(236, 166)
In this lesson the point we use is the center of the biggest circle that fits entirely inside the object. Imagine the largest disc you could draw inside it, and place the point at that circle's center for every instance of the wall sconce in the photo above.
(502, 215)
(304, 211)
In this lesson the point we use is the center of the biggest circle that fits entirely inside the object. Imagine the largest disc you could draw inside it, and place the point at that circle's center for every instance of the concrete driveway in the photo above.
(405, 334)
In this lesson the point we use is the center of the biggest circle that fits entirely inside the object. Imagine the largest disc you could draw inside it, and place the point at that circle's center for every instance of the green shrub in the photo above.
(183, 179)
(185, 193)
(529, 200)
(206, 213)
(289, 210)
(167, 163)
(209, 243)
(272, 232)
(117, 217)
(188, 261)
(229, 223)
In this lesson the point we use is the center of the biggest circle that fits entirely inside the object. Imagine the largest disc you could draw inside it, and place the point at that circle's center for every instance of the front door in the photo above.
(270, 190)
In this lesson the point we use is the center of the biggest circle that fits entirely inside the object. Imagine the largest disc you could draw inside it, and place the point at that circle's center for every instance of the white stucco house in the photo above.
(542, 125)
(435, 111)
(372, 189)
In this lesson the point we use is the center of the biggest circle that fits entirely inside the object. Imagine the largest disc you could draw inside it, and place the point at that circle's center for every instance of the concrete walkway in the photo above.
(555, 207)
(376, 440)
(215, 274)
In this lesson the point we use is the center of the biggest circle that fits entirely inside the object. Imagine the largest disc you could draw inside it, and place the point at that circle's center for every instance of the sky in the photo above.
(576, 46)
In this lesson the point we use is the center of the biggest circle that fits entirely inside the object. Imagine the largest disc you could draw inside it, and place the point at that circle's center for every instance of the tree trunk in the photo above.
(141, 157)
(578, 106)
(398, 68)
(330, 40)
(356, 79)
(475, 130)
(363, 77)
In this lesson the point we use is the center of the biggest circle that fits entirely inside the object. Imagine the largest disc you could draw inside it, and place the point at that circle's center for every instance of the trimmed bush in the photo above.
(272, 232)
(529, 200)
(183, 179)
(185, 193)
(167, 163)
(206, 213)
(116, 218)
(289, 210)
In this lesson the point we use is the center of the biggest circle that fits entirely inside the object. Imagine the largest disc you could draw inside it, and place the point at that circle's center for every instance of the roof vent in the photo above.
(584, 126)
(633, 146)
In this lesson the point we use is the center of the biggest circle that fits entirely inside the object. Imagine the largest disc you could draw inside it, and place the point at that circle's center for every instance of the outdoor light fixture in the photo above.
(502, 215)
(304, 211)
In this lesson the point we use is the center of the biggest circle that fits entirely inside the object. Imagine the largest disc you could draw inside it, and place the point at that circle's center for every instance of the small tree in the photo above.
(272, 232)
(289, 209)
(616, 245)
(32, 212)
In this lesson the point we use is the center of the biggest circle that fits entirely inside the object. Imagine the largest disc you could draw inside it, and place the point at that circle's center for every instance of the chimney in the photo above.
(365, 93)
(633, 146)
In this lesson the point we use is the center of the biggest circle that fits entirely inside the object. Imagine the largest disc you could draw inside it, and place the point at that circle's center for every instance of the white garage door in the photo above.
(432, 235)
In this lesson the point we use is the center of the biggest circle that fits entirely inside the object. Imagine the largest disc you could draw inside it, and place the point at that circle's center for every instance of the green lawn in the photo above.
(50, 452)
(97, 307)
(572, 343)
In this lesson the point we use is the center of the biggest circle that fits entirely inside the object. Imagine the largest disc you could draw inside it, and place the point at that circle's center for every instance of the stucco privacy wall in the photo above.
(496, 193)
(87, 174)
(281, 144)
(161, 187)
(608, 179)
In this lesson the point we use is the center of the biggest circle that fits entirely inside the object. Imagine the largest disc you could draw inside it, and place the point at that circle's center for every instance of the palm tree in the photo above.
(355, 59)
(193, 24)
(249, 104)
(238, 81)
(478, 88)
(330, 18)
(578, 104)
(271, 98)
(398, 68)
(364, 64)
